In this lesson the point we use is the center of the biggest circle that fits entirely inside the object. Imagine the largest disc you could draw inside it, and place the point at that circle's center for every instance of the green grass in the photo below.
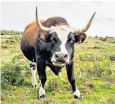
(94, 73)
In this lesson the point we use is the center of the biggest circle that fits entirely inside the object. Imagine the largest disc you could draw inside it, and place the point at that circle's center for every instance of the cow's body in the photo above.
(51, 43)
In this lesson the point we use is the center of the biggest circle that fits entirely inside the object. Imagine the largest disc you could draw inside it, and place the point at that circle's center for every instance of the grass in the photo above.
(94, 73)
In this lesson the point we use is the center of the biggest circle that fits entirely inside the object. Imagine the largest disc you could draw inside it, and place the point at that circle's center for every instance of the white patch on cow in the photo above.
(62, 32)
(33, 72)
(77, 92)
(41, 90)
(59, 74)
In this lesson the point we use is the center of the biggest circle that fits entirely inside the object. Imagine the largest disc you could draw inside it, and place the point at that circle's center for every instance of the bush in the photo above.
(5, 46)
(13, 77)
(112, 58)
(103, 39)
(14, 73)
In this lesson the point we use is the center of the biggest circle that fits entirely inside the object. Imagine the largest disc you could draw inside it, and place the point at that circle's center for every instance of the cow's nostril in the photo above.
(65, 56)
(56, 56)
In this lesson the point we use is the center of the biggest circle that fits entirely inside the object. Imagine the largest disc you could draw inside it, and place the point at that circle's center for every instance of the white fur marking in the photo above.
(41, 90)
(77, 93)
(34, 82)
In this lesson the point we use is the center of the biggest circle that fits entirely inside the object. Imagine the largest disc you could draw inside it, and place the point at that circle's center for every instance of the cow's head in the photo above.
(62, 39)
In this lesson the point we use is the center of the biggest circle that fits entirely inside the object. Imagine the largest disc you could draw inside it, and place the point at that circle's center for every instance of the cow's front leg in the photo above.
(70, 74)
(42, 77)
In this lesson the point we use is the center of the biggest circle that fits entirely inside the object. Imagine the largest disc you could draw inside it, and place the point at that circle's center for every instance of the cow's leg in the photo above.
(33, 71)
(42, 77)
(70, 74)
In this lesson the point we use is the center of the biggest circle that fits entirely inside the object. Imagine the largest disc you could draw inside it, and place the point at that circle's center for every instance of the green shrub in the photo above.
(14, 73)
(13, 77)
(103, 39)
(5, 46)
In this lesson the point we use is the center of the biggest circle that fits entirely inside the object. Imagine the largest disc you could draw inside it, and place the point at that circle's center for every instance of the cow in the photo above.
(51, 43)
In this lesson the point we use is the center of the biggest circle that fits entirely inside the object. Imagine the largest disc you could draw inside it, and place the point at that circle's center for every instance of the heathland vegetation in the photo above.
(10, 32)
(94, 73)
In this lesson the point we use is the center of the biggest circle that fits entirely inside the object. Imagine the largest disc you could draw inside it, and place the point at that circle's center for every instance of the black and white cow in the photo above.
(51, 43)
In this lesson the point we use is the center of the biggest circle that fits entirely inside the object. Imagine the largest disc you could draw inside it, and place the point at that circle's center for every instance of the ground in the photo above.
(94, 74)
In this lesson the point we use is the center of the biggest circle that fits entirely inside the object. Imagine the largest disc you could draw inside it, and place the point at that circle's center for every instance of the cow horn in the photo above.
(39, 24)
(87, 26)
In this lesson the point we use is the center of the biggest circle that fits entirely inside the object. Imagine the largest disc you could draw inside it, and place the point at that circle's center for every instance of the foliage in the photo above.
(13, 73)
(108, 39)
(94, 74)
(10, 32)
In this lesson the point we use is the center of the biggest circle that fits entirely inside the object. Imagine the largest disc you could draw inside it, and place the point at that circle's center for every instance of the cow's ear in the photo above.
(48, 37)
(80, 37)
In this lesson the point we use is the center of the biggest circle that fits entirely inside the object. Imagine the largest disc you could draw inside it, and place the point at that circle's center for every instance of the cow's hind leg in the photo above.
(33, 72)
(70, 74)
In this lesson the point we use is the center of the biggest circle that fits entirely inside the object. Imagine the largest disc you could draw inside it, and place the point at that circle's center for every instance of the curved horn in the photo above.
(87, 26)
(39, 24)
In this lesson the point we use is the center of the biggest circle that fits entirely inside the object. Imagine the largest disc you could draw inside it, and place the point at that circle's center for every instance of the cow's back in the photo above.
(28, 40)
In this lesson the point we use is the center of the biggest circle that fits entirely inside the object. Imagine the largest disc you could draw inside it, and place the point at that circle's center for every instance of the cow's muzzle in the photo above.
(60, 59)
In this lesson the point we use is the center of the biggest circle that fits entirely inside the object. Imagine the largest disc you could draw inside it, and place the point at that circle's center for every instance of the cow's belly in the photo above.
(28, 52)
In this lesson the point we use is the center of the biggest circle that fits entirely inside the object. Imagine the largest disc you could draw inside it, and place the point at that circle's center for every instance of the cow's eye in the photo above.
(53, 40)
(70, 41)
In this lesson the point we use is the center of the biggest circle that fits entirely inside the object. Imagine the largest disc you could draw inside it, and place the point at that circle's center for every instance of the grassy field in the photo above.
(94, 73)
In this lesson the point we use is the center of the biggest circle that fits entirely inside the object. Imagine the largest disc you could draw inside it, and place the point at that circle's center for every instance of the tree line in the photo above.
(10, 32)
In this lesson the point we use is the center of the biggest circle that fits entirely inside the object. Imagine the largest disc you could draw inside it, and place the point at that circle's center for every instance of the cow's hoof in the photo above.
(80, 97)
(35, 86)
(42, 97)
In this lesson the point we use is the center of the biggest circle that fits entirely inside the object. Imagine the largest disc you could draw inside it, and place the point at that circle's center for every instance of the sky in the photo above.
(15, 15)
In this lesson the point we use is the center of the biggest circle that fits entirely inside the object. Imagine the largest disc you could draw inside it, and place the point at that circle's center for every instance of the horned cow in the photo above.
(51, 43)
